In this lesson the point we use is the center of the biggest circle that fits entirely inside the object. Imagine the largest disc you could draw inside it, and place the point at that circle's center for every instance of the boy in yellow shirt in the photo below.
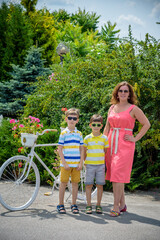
(95, 146)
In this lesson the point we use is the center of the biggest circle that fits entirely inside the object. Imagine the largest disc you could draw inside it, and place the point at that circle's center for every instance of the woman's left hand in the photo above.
(129, 138)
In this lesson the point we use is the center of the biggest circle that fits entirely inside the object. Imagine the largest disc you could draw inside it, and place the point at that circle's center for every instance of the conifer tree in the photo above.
(15, 38)
(13, 93)
(29, 5)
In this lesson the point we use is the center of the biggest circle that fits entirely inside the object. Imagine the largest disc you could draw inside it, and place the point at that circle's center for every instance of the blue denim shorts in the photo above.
(96, 172)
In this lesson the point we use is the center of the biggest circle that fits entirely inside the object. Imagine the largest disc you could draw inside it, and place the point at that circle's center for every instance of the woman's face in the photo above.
(123, 93)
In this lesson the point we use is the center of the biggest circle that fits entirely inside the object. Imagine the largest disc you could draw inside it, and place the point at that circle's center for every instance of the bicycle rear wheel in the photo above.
(19, 185)
(81, 187)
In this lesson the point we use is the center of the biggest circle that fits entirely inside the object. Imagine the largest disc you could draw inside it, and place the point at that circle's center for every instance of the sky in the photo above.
(142, 15)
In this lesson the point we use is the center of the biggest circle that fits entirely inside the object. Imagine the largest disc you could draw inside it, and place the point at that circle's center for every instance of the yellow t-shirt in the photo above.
(95, 148)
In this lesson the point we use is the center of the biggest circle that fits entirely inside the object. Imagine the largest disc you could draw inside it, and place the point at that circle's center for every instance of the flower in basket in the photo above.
(26, 129)
(27, 125)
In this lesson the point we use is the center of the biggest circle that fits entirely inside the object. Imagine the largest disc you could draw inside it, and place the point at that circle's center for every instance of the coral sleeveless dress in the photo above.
(120, 154)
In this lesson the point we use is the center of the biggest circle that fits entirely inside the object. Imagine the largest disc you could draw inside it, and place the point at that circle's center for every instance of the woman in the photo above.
(119, 127)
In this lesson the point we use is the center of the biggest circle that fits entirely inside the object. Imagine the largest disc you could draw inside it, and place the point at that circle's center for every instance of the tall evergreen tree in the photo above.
(13, 93)
(61, 15)
(29, 5)
(15, 38)
(43, 25)
(4, 11)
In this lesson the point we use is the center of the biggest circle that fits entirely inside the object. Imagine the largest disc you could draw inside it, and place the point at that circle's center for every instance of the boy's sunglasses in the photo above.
(125, 91)
(74, 118)
(96, 124)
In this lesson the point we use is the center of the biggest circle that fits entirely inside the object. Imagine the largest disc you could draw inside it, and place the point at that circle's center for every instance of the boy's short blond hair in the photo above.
(96, 118)
(72, 111)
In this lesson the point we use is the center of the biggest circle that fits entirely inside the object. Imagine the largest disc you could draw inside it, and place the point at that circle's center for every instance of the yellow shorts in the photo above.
(73, 172)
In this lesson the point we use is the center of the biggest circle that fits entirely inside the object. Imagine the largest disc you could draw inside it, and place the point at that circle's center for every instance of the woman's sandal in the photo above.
(89, 210)
(61, 209)
(123, 209)
(74, 209)
(99, 209)
(114, 213)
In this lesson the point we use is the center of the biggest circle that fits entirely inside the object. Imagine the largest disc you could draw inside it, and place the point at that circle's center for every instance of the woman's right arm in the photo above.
(107, 126)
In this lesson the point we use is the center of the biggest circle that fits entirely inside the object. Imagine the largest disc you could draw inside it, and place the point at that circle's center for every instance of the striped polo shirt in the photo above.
(71, 141)
(95, 148)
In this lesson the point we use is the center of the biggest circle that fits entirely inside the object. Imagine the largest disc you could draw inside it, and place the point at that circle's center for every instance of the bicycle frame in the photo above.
(40, 160)
(56, 179)
(31, 156)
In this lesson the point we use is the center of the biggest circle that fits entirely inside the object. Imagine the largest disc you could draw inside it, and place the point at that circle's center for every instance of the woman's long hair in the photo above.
(132, 97)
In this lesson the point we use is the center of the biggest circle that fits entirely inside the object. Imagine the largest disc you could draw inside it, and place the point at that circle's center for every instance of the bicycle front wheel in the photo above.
(19, 183)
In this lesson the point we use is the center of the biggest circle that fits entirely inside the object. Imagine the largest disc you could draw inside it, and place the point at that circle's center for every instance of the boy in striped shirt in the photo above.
(95, 147)
(72, 155)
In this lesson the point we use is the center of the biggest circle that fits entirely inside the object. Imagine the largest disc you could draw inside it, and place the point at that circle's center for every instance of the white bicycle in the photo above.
(20, 179)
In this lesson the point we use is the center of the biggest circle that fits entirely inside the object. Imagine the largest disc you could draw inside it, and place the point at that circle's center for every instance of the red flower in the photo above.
(19, 149)
(20, 165)
(64, 109)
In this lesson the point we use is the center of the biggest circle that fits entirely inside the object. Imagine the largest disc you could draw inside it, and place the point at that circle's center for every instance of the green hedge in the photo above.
(10, 146)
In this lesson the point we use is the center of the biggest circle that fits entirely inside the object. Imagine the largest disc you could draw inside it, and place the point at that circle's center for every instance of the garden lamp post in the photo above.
(61, 51)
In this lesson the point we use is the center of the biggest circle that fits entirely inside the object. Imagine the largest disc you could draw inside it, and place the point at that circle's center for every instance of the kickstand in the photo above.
(49, 193)
(68, 197)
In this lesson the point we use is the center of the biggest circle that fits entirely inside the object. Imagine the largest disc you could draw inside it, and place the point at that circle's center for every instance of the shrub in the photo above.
(11, 146)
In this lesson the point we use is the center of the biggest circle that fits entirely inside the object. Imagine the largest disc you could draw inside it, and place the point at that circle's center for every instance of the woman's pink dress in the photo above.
(120, 154)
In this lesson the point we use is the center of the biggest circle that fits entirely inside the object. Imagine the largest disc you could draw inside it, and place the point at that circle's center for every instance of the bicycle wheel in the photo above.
(81, 187)
(19, 184)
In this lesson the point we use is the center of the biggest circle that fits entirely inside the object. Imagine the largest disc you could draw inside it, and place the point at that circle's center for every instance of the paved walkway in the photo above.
(42, 222)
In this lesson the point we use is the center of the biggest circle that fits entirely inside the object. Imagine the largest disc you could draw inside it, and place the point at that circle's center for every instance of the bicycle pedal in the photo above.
(48, 193)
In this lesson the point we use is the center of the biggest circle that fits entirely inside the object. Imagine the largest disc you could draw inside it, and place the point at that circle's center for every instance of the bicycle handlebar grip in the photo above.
(50, 130)
(47, 130)
(53, 130)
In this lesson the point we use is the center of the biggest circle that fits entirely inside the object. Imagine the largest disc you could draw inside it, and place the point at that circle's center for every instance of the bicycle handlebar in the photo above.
(47, 130)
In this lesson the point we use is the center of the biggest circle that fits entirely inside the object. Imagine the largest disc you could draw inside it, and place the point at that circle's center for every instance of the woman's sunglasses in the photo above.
(96, 124)
(74, 118)
(121, 91)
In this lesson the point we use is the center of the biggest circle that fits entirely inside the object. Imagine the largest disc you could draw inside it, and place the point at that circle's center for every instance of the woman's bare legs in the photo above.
(122, 200)
(119, 198)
